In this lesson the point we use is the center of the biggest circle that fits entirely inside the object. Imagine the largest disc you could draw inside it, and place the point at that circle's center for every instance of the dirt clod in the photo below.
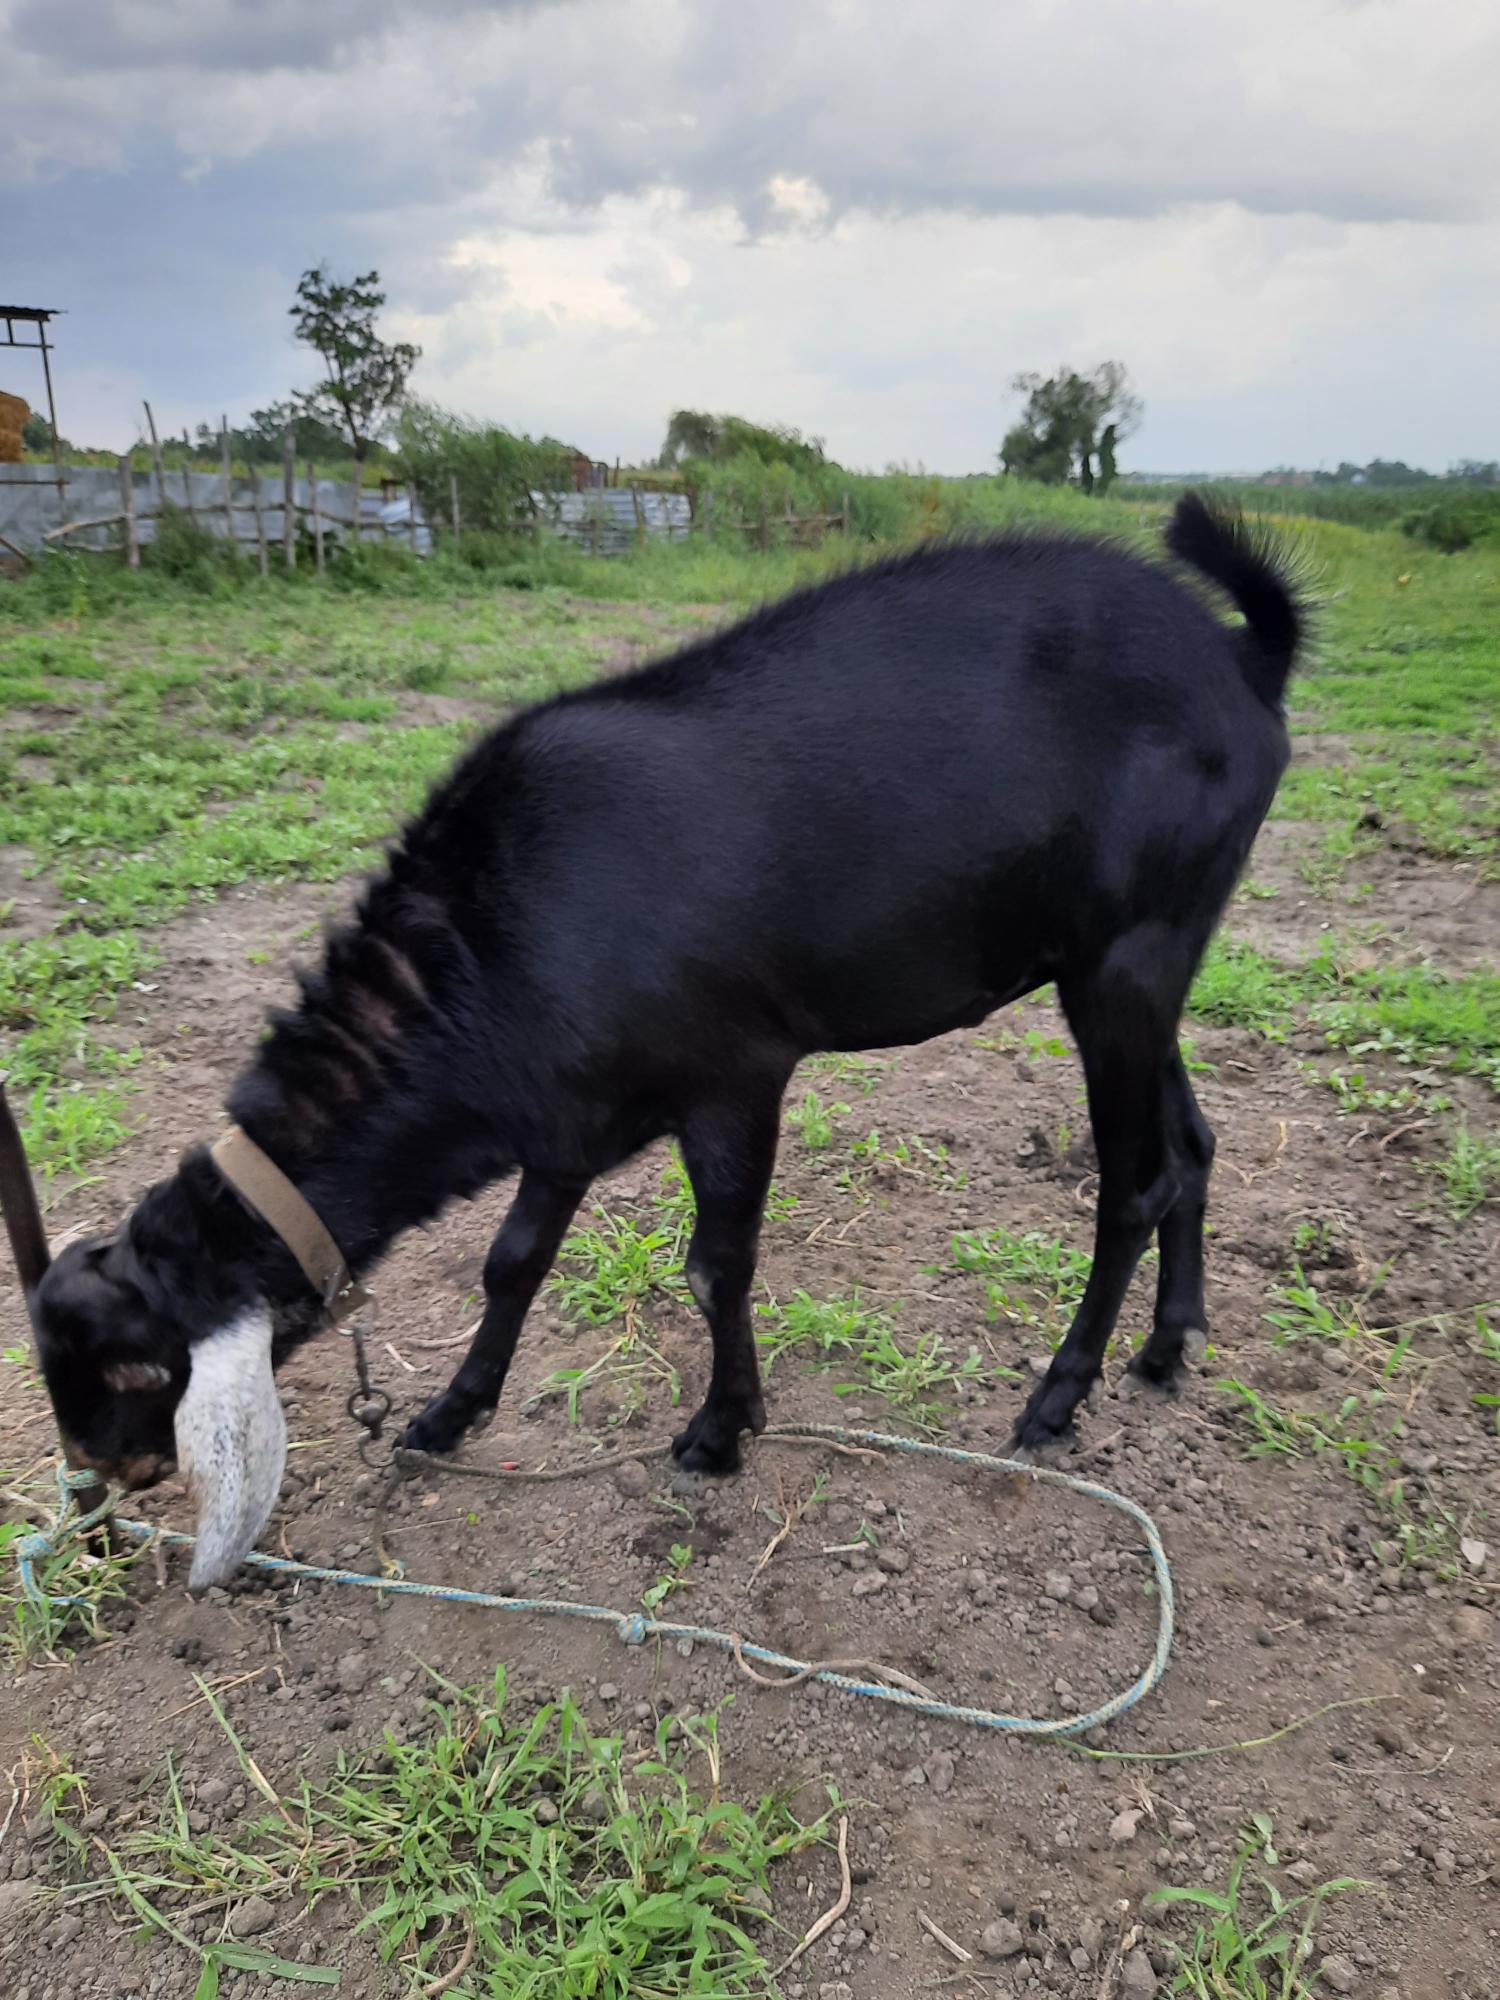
(1339, 1973)
(252, 1917)
(1137, 1976)
(1001, 1939)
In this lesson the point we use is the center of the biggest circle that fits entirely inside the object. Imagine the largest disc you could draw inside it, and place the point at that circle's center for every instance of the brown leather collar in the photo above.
(256, 1176)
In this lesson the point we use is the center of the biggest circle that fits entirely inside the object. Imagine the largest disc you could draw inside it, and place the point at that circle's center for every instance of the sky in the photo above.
(860, 217)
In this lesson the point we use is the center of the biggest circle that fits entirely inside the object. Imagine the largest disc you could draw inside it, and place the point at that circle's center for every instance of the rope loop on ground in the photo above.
(634, 1628)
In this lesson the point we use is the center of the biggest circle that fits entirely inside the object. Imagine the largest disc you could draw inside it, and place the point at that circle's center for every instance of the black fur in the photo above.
(869, 814)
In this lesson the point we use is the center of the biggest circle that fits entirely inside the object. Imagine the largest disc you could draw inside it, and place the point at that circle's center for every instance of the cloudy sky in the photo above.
(858, 216)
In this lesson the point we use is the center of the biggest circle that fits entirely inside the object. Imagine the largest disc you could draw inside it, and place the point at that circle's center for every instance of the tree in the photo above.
(690, 434)
(36, 434)
(1069, 421)
(697, 434)
(366, 376)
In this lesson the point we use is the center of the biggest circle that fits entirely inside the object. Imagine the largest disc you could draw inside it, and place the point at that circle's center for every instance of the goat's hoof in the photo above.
(1039, 1440)
(710, 1443)
(1144, 1381)
(1045, 1453)
(441, 1426)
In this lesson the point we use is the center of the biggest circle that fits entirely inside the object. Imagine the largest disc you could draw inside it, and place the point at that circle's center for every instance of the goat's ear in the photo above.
(231, 1443)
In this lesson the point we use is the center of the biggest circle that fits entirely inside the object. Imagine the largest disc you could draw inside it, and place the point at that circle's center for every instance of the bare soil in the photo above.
(999, 1593)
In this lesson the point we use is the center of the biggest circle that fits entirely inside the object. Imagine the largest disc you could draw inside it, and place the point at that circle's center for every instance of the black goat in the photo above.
(861, 817)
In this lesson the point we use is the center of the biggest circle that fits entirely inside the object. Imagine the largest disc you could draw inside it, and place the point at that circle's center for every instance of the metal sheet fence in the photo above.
(32, 513)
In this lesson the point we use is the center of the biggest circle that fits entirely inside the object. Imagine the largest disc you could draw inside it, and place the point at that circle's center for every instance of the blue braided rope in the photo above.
(635, 1629)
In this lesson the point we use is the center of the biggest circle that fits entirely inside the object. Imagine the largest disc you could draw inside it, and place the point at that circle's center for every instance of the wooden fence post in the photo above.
(453, 504)
(765, 523)
(130, 548)
(317, 518)
(356, 511)
(411, 516)
(228, 482)
(260, 522)
(161, 477)
(846, 513)
(289, 496)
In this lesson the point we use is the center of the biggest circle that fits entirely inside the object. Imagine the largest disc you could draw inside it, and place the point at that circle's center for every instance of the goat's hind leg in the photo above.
(519, 1259)
(1125, 1019)
(729, 1153)
(1180, 1324)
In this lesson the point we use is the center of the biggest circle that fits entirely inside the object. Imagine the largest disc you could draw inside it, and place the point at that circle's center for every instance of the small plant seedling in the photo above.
(863, 1072)
(1302, 1313)
(1192, 1062)
(812, 1120)
(655, 1595)
(1469, 1171)
(1243, 1952)
(1316, 1239)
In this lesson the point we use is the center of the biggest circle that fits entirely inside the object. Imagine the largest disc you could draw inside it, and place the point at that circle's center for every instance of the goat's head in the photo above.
(150, 1372)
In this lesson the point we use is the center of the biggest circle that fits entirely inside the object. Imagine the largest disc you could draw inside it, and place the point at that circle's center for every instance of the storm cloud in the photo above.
(588, 210)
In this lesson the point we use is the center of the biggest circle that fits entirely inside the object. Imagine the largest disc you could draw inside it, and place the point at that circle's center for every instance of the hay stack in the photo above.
(13, 415)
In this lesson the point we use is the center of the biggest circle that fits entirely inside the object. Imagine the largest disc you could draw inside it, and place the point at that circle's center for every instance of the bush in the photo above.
(182, 548)
(496, 470)
(1454, 524)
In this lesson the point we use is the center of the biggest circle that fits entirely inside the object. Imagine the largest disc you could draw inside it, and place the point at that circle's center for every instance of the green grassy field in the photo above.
(167, 741)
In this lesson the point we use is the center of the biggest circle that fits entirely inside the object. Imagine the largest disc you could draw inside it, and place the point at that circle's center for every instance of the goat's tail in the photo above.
(1258, 574)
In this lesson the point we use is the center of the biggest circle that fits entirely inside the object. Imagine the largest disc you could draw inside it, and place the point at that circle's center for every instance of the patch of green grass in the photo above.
(1032, 1042)
(1415, 1016)
(576, 1869)
(916, 1156)
(918, 1377)
(1240, 987)
(194, 745)
(70, 1083)
(812, 1120)
(1325, 865)
(610, 1266)
(1469, 1171)
(1030, 1279)
(607, 1270)
(1364, 1435)
(91, 1574)
(862, 1072)
(1244, 1949)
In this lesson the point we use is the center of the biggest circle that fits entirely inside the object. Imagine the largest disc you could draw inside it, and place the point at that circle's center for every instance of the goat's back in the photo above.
(882, 805)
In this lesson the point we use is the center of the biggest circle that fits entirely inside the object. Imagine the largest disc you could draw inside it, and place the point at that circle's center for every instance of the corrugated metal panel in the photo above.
(606, 518)
(29, 510)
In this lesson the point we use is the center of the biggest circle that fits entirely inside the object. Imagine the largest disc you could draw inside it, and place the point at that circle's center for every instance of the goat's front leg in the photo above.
(729, 1154)
(520, 1257)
